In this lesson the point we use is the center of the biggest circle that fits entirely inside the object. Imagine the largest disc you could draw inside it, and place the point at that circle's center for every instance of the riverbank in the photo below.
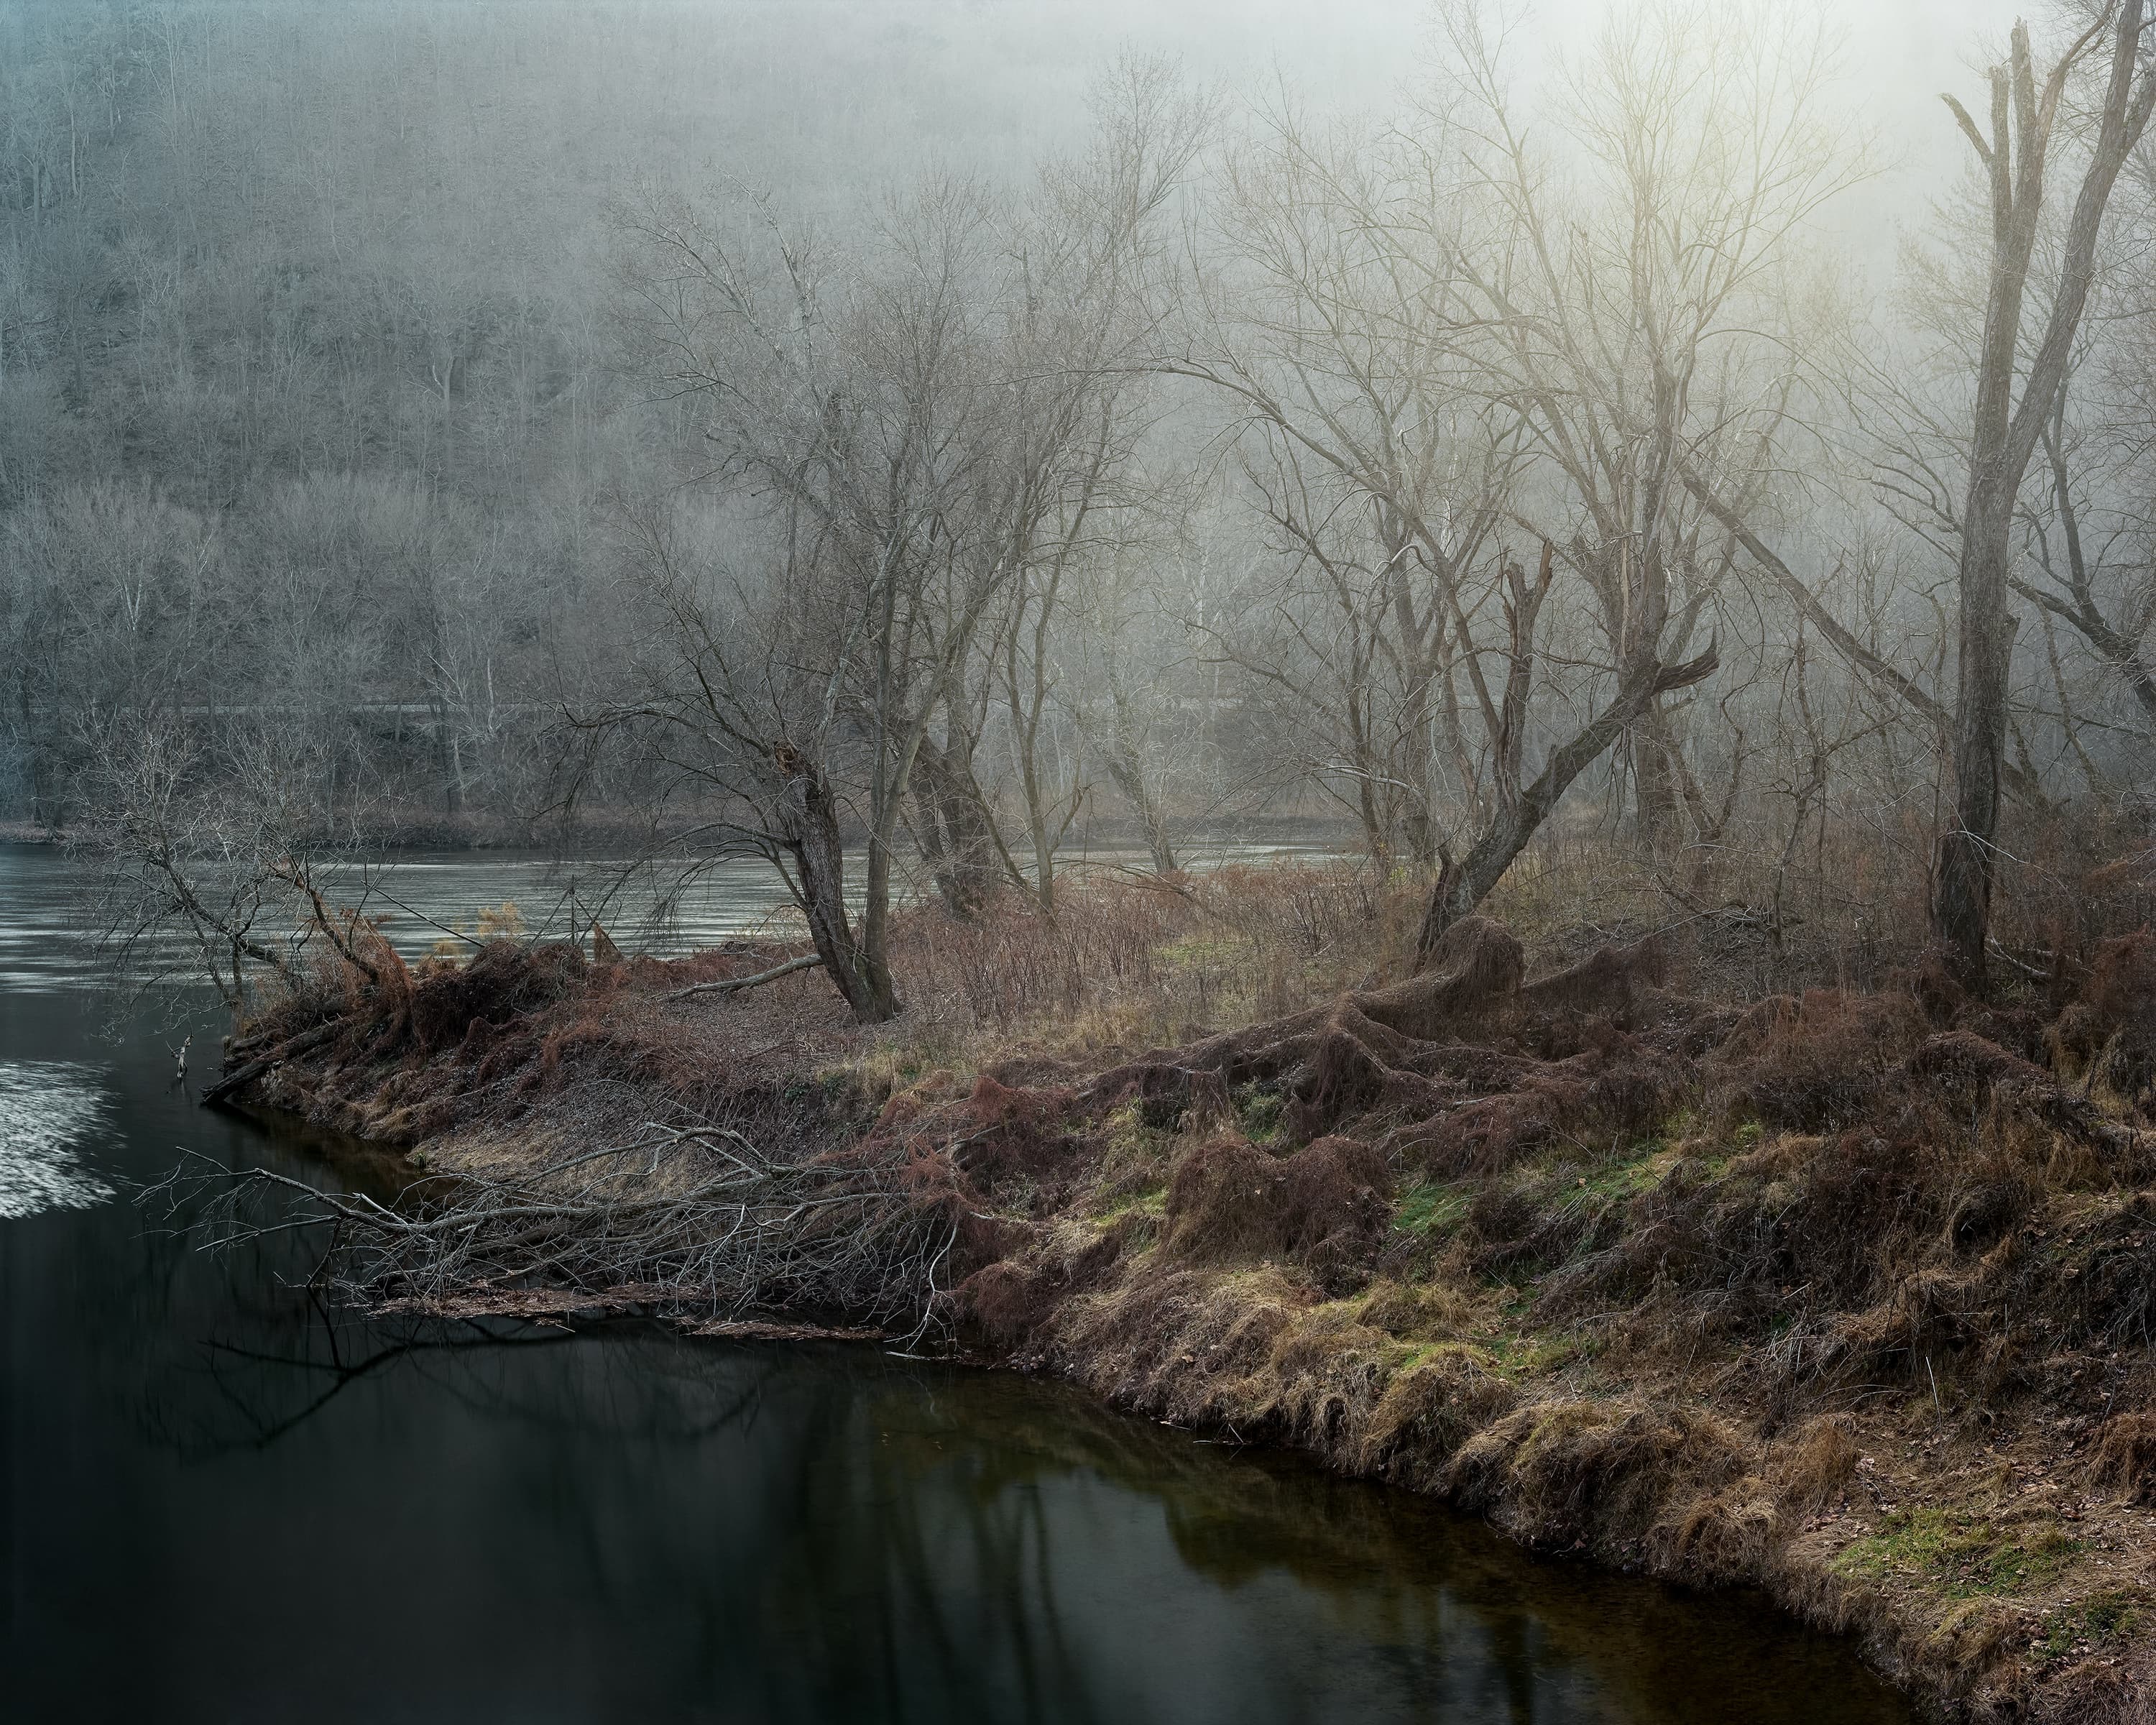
(1844, 1294)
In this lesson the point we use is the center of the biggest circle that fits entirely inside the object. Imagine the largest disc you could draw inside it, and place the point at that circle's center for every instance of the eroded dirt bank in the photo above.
(1849, 1295)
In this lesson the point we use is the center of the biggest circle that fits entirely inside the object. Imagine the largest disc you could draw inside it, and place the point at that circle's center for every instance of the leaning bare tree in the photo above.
(1380, 470)
(1643, 319)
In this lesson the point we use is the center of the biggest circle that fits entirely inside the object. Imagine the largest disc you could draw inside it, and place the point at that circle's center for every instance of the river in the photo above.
(224, 1503)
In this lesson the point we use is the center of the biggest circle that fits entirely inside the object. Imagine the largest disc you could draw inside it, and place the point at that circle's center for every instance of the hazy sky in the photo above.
(1899, 55)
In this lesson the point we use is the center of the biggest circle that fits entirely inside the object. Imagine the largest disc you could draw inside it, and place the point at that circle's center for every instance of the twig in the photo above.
(477, 945)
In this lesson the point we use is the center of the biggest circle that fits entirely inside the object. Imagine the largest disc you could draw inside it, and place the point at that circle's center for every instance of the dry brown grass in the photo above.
(1725, 1288)
(1131, 962)
(2126, 1456)
(1819, 1463)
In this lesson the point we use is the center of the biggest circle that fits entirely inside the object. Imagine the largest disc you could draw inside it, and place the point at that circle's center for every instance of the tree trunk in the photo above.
(953, 819)
(1128, 771)
(928, 831)
(1464, 885)
(2003, 434)
(1654, 782)
(1961, 899)
(808, 822)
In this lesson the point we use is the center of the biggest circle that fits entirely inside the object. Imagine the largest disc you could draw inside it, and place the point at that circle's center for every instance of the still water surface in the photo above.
(221, 1503)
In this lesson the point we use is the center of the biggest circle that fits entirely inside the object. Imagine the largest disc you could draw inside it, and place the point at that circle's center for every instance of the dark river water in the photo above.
(223, 1503)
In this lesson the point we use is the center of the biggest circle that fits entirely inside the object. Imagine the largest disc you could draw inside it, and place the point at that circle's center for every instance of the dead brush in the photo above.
(1188, 1343)
(1012, 1303)
(2107, 1035)
(1325, 1206)
(2098, 1283)
(1881, 1245)
(2125, 1457)
(320, 985)
(1344, 912)
(505, 979)
(1816, 1463)
(1011, 965)
(694, 1219)
(1124, 957)
(1817, 1062)
(1019, 1136)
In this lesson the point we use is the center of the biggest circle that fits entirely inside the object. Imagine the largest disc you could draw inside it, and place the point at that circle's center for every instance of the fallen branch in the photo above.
(691, 1219)
(732, 985)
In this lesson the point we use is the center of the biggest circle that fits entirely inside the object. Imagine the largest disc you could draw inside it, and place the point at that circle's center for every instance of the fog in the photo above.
(981, 432)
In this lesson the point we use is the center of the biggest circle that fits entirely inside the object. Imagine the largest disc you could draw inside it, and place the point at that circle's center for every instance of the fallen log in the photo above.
(242, 1076)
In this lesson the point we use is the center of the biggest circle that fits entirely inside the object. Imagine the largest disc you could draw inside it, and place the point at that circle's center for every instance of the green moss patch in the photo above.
(1143, 1200)
(1258, 1112)
(1967, 1554)
(1432, 1207)
(2109, 1615)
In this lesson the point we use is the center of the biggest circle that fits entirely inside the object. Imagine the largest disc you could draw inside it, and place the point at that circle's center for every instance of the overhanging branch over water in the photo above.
(686, 1218)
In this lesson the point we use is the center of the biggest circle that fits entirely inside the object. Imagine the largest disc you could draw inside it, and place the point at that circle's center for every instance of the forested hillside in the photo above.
(313, 398)
(762, 426)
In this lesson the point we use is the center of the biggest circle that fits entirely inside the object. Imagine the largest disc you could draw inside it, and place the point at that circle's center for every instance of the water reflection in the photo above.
(820, 1533)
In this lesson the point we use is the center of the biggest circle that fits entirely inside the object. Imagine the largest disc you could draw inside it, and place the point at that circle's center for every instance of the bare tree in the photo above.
(1650, 320)
(916, 434)
(1328, 327)
(1580, 328)
(1090, 257)
(2004, 432)
(206, 856)
(2073, 570)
